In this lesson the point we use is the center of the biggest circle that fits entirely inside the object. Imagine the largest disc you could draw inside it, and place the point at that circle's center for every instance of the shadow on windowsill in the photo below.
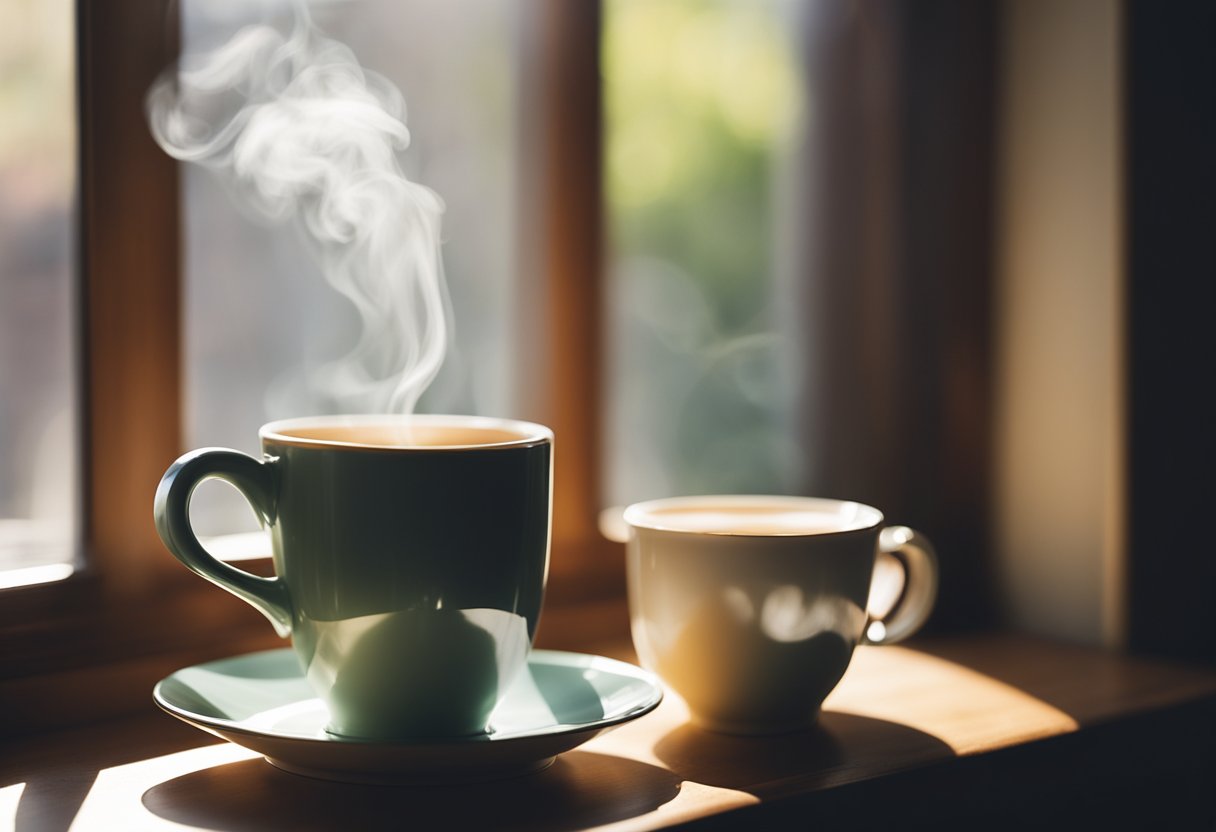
(580, 789)
(829, 754)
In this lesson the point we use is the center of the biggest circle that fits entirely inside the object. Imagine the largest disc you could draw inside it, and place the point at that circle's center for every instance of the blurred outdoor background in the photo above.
(941, 257)
(702, 98)
(38, 300)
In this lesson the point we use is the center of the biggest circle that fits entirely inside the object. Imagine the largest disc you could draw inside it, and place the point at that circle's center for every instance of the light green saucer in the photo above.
(261, 701)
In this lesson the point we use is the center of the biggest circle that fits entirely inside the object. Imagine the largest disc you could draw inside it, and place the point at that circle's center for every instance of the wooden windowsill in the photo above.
(992, 725)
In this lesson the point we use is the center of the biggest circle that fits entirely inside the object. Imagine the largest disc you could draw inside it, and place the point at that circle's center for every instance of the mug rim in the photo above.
(531, 434)
(639, 515)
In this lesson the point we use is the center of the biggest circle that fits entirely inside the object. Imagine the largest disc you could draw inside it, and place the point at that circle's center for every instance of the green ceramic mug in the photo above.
(410, 556)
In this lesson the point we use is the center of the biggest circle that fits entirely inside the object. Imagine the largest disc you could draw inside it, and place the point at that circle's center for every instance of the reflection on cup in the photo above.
(443, 680)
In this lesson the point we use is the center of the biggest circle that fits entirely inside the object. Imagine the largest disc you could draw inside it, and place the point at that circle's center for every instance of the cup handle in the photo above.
(256, 482)
(915, 553)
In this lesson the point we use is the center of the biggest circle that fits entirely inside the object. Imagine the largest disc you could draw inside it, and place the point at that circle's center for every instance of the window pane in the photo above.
(702, 99)
(38, 401)
(262, 322)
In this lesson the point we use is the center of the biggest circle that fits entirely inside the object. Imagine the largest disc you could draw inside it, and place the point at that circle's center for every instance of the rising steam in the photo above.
(314, 140)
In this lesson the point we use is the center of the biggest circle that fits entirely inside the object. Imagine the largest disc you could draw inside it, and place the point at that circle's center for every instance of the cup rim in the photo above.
(640, 515)
(530, 434)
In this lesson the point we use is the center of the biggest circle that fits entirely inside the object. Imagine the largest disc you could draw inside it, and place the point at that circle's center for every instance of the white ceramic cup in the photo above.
(749, 607)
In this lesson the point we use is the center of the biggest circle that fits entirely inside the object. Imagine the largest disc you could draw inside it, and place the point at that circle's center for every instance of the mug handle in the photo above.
(257, 483)
(915, 553)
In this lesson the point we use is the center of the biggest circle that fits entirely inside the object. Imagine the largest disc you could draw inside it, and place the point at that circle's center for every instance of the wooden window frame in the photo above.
(128, 600)
(131, 611)
(1170, 127)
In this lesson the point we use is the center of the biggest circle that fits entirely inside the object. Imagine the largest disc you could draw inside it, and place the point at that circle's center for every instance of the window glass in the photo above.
(263, 324)
(702, 99)
(38, 296)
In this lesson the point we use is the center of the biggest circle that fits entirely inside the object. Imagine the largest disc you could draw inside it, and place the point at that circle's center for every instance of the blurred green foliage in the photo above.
(699, 95)
(37, 104)
(701, 98)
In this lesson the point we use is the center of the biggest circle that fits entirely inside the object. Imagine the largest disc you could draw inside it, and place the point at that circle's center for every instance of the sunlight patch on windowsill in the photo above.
(10, 799)
(969, 711)
(114, 802)
(34, 552)
(32, 575)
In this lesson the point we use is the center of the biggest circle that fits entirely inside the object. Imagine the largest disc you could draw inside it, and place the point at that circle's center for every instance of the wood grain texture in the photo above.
(888, 289)
(130, 258)
(129, 601)
(561, 277)
(911, 732)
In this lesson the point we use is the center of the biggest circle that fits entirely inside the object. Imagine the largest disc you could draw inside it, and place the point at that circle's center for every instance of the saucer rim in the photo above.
(215, 724)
